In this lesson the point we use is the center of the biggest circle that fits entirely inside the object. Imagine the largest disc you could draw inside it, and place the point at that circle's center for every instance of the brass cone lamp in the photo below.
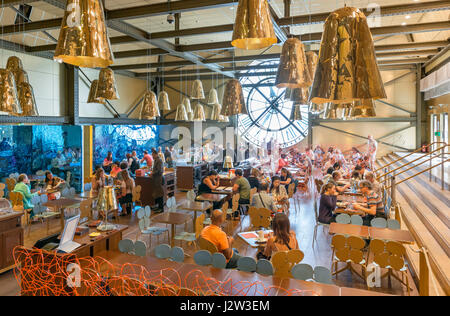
(9, 102)
(197, 92)
(83, 38)
(199, 113)
(347, 70)
(300, 96)
(233, 99)
(181, 114)
(365, 108)
(149, 109)
(293, 70)
(107, 88)
(212, 97)
(190, 116)
(93, 92)
(312, 59)
(253, 28)
(228, 162)
(107, 202)
(163, 101)
(296, 114)
(27, 100)
(14, 64)
(215, 113)
(187, 105)
(287, 94)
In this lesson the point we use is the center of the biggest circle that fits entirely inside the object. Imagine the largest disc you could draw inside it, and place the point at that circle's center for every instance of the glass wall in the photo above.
(27, 149)
(123, 139)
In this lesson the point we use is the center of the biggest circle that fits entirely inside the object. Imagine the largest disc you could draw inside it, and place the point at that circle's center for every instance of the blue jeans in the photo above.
(232, 264)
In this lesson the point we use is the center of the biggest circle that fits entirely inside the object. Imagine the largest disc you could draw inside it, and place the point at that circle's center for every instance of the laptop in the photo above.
(67, 244)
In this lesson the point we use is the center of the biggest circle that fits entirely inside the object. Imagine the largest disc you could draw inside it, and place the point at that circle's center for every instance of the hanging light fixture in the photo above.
(296, 114)
(293, 71)
(287, 94)
(199, 113)
(233, 99)
(215, 113)
(149, 109)
(365, 108)
(181, 114)
(347, 68)
(106, 88)
(312, 59)
(27, 100)
(9, 102)
(163, 101)
(253, 28)
(83, 38)
(14, 64)
(212, 97)
(93, 92)
(197, 92)
(300, 95)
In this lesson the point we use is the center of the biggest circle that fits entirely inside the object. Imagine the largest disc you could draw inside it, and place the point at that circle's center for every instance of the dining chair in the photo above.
(393, 224)
(343, 219)
(203, 258)
(145, 228)
(192, 237)
(163, 251)
(302, 271)
(136, 195)
(246, 264)
(260, 217)
(205, 244)
(177, 254)
(264, 267)
(190, 195)
(378, 222)
(140, 249)
(322, 275)
(348, 250)
(219, 261)
(356, 220)
(318, 223)
(126, 246)
(283, 261)
(87, 187)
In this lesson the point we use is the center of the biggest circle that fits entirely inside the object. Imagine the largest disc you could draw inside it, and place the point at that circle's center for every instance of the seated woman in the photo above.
(282, 239)
(254, 179)
(23, 186)
(52, 183)
(375, 207)
(209, 183)
(328, 175)
(262, 199)
(126, 200)
(279, 192)
(98, 182)
(286, 178)
(328, 199)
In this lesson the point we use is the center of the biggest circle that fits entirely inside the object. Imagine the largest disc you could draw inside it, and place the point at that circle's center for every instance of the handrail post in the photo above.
(431, 162)
(424, 282)
(443, 168)
(393, 187)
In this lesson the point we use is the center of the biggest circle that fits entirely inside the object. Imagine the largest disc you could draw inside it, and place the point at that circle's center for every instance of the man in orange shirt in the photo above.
(219, 238)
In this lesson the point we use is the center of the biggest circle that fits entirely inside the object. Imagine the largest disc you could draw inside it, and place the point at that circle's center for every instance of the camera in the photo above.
(170, 18)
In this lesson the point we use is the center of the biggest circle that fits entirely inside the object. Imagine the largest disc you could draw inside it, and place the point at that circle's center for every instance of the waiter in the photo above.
(157, 176)
(372, 149)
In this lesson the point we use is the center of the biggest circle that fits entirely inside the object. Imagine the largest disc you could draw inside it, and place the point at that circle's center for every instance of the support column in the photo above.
(420, 106)
(72, 92)
(88, 153)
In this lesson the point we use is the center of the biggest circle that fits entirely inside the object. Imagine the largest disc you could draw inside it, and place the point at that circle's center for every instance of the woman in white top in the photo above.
(278, 191)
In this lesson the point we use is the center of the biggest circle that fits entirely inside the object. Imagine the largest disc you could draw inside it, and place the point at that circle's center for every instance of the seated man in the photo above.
(374, 202)
(242, 186)
(336, 176)
(219, 238)
(375, 184)
(263, 199)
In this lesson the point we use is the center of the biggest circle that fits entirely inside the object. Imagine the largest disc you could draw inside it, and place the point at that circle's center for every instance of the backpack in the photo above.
(134, 165)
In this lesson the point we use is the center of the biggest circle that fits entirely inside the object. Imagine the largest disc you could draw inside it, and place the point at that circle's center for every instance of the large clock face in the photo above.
(269, 114)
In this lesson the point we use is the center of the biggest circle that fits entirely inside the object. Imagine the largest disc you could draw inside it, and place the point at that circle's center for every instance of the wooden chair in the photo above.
(291, 195)
(4, 203)
(2, 190)
(205, 244)
(85, 210)
(10, 184)
(284, 261)
(137, 195)
(260, 217)
(348, 250)
(391, 256)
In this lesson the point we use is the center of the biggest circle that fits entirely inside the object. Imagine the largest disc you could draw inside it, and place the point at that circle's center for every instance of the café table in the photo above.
(351, 198)
(223, 190)
(195, 207)
(251, 238)
(60, 204)
(211, 197)
(349, 229)
(401, 236)
(173, 219)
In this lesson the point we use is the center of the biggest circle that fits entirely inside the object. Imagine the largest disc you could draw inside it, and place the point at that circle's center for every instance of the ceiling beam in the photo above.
(424, 52)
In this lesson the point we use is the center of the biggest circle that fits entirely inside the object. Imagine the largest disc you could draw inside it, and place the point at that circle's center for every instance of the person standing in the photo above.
(148, 159)
(372, 149)
(126, 196)
(157, 183)
(168, 158)
(108, 162)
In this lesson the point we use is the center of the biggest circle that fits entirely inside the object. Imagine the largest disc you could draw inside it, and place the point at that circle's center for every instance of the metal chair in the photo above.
(264, 267)
(203, 258)
(246, 264)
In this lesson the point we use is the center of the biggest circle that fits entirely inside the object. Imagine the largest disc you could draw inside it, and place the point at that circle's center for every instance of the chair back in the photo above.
(246, 264)
(356, 220)
(137, 193)
(190, 195)
(2, 189)
(171, 204)
(219, 261)
(87, 187)
(235, 202)
(343, 219)
(260, 217)
(10, 184)
(393, 224)
(322, 275)
(203, 258)
(388, 254)
(163, 251)
(177, 254)
(205, 244)
(283, 261)
(199, 224)
(348, 248)
(264, 267)
(291, 190)
(302, 271)
(378, 222)
(140, 249)
(16, 199)
(126, 246)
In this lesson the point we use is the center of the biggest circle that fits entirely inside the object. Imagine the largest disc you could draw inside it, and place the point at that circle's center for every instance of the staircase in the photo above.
(426, 214)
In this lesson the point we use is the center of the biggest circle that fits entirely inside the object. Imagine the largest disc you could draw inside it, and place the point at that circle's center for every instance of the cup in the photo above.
(261, 235)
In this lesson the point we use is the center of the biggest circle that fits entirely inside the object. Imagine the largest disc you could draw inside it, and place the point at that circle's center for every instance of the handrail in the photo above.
(409, 163)
(414, 152)
(419, 173)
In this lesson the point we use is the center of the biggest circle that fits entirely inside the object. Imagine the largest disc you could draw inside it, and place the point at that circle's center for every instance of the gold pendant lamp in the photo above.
(233, 99)
(293, 70)
(365, 108)
(296, 114)
(181, 114)
(253, 28)
(312, 59)
(347, 70)
(107, 88)
(93, 92)
(149, 109)
(14, 64)
(9, 102)
(197, 92)
(199, 113)
(215, 113)
(27, 100)
(300, 96)
(163, 101)
(287, 94)
(83, 38)
(212, 97)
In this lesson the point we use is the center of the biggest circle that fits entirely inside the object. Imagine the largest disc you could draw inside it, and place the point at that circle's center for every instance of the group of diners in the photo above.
(134, 162)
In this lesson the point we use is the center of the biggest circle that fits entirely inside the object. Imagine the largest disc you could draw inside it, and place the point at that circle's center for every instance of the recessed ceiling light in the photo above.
(407, 17)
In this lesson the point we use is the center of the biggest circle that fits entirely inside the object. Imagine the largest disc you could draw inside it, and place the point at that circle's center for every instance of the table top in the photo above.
(251, 238)
(194, 206)
(171, 218)
(402, 236)
(62, 202)
(223, 190)
(86, 240)
(8, 213)
(351, 198)
(211, 197)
